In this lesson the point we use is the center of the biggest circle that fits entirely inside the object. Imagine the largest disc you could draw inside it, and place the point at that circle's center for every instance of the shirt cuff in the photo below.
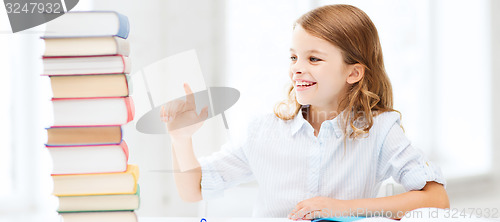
(211, 181)
(416, 178)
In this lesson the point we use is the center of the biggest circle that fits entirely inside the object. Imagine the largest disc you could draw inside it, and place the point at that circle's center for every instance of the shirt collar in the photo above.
(298, 122)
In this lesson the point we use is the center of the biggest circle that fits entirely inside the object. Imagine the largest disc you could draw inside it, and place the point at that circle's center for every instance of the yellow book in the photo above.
(97, 184)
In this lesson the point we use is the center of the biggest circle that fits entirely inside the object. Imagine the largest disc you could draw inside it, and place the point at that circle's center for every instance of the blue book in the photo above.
(88, 24)
(338, 219)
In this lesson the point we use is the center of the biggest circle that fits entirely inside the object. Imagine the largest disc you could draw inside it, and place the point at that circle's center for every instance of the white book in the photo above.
(86, 65)
(93, 111)
(86, 24)
(110, 45)
(89, 159)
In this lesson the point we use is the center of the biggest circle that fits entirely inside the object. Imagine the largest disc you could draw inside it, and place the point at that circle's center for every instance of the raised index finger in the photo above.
(189, 98)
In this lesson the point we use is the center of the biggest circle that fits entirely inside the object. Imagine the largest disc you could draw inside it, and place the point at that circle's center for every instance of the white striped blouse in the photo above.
(290, 164)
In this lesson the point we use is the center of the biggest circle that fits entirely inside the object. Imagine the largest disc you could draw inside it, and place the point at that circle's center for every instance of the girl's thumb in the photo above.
(203, 113)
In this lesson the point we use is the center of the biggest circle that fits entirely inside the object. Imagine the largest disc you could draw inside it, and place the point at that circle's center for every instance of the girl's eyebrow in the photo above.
(310, 51)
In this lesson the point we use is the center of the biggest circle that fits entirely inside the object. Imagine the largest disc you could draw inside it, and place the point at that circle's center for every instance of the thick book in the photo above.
(84, 135)
(85, 86)
(80, 65)
(89, 159)
(87, 24)
(111, 216)
(119, 202)
(91, 46)
(93, 111)
(97, 184)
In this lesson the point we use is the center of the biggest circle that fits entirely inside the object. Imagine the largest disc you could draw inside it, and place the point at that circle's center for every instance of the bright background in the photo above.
(443, 59)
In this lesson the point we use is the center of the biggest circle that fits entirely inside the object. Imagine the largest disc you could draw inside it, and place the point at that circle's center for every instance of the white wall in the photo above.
(495, 61)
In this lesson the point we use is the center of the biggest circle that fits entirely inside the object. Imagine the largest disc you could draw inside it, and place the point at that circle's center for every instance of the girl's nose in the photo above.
(297, 67)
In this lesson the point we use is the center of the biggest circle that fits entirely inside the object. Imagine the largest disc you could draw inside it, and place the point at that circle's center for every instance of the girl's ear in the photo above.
(357, 72)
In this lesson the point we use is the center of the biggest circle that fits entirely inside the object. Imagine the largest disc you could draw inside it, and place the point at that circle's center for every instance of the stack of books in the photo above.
(86, 59)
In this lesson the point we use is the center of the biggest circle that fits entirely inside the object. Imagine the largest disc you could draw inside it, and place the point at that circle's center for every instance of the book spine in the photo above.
(122, 46)
(134, 170)
(130, 108)
(126, 64)
(130, 85)
(124, 26)
(125, 149)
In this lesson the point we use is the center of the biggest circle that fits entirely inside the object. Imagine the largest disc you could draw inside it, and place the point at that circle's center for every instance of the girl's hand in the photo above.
(319, 207)
(181, 118)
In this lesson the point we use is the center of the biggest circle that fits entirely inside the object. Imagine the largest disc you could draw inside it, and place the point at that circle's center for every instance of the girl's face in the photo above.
(317, 70)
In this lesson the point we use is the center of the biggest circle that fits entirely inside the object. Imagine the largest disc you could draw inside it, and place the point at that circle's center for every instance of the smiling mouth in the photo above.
(303, 86)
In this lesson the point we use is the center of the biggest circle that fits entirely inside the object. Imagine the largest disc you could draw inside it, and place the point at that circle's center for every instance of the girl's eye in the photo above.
(313, 59)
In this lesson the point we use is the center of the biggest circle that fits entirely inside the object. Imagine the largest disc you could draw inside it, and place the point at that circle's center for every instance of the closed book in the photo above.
(97, 184)
(118, 202)
(89, 159)
(111, 216)
(112, 64)
(85, 86)
(87, 24)
(84, 135)
(93, 111)
(91, 46)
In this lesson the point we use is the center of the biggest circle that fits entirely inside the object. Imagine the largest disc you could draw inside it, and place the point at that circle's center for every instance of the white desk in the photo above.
(208, 219)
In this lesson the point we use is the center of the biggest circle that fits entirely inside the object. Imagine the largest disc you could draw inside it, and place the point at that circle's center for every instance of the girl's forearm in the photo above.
(188, 174)
(432, 195)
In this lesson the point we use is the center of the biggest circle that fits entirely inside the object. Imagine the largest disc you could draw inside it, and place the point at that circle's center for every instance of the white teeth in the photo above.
(304, 84)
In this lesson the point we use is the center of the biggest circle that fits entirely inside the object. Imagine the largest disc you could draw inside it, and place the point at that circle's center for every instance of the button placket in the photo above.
(314, 164)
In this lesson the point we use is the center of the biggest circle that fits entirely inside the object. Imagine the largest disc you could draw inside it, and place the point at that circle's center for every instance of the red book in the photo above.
(89, 159)
(93, 111)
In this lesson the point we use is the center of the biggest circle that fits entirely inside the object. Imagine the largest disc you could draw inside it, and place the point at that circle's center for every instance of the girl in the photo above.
(327, 148)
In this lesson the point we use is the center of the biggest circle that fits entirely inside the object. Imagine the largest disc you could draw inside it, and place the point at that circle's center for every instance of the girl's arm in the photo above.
(182, 122)
(432, 195)
(188, 181)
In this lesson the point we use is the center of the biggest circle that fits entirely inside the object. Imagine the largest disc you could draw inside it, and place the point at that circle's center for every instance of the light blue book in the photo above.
(338, 219)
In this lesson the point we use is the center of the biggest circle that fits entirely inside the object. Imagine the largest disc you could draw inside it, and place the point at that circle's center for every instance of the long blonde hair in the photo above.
(352, 31)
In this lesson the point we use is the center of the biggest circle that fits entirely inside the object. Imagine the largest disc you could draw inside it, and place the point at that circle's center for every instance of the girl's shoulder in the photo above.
(384, 121)
(387, 117)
